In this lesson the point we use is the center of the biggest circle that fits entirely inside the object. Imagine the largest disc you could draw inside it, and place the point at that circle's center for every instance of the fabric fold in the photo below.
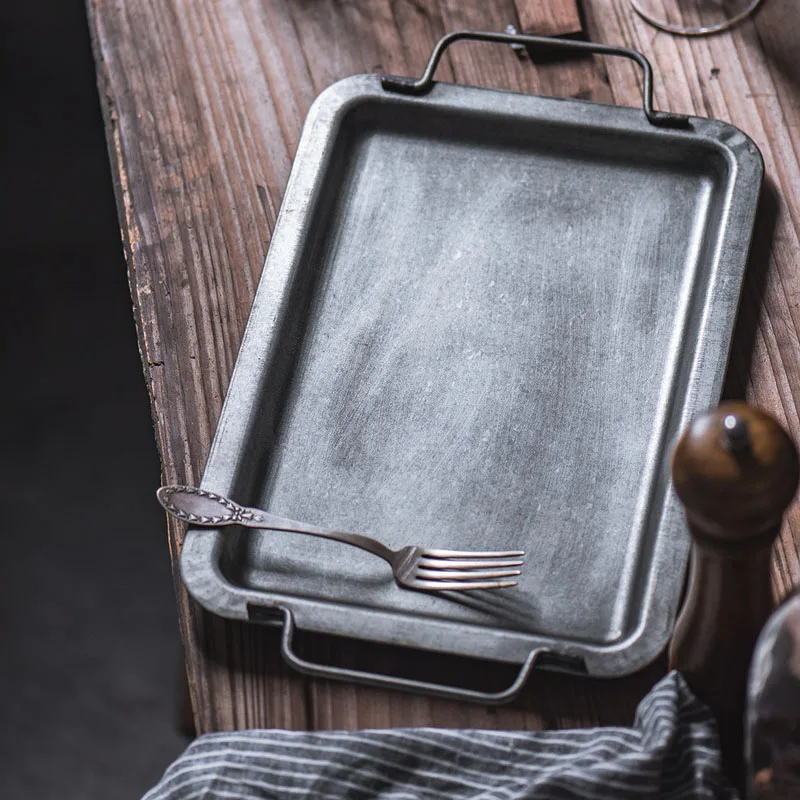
(671, 752)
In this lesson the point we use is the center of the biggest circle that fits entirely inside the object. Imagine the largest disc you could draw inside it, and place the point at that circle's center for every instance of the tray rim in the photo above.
(201, 549)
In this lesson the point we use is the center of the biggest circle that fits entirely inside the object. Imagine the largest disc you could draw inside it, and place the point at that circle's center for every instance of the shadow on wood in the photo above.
(758, 266)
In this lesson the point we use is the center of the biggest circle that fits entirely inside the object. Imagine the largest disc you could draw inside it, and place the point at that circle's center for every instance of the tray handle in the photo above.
(393, 83)
(407, 684)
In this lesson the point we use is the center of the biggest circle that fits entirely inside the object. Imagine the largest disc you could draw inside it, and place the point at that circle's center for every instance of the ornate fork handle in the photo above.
(208, 509)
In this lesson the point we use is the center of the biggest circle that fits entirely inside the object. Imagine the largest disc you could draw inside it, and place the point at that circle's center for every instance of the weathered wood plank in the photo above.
(198, 187)
(554, 18)
(204, 105)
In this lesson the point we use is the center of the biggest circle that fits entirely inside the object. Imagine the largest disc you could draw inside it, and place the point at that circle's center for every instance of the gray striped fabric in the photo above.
(671, 752)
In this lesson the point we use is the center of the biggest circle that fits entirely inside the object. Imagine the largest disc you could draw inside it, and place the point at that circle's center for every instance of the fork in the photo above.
(413, 567)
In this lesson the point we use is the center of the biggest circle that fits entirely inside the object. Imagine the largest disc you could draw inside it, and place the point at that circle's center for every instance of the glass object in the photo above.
(694, 17)
(773, 708)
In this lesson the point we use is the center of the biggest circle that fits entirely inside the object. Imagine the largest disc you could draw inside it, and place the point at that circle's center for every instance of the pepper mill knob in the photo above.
(735, 470)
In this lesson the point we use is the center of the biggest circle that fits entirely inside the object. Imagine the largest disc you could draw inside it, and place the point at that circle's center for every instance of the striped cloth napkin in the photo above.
(671, 752)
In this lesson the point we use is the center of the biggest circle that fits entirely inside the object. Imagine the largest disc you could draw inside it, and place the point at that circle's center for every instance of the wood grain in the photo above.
(204, 102)
(553, 18)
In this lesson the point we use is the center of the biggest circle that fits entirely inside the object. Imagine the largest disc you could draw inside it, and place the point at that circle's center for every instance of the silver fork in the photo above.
(413, 567)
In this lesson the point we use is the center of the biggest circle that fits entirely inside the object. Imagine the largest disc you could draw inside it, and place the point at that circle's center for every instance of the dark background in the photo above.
(89, 653)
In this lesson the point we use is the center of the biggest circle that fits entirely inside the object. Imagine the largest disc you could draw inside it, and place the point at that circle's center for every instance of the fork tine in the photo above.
(461, 586)
(473, 554)
(470, 575)
(450, 563)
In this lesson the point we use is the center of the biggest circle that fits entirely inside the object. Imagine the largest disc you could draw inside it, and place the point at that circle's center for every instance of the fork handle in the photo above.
(209, 509)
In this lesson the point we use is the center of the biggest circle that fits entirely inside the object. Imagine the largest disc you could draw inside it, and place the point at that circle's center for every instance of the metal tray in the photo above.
(482, 321)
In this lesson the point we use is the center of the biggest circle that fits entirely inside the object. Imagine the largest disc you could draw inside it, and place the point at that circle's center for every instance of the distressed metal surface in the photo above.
(482, 321)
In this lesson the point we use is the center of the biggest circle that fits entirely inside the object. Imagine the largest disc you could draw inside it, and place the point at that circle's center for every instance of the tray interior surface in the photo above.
(490, 333)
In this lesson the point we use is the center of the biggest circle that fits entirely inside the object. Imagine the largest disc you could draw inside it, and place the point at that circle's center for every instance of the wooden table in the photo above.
(204, 101)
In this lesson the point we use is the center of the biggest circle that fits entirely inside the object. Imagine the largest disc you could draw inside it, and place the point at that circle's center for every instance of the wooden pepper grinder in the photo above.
(735, 470)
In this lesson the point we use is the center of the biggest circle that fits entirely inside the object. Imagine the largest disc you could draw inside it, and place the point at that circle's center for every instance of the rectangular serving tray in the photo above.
(482, 321)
